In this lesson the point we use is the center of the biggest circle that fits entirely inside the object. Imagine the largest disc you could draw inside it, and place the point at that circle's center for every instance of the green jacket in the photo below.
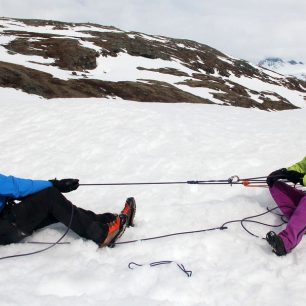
(301, 168)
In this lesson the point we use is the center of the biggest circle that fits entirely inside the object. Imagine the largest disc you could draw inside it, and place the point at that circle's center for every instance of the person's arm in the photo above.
(16, 188)
(300, 167)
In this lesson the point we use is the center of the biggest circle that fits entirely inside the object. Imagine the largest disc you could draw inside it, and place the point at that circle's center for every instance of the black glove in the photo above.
(276, 175)
(65, 185)
(295, 177)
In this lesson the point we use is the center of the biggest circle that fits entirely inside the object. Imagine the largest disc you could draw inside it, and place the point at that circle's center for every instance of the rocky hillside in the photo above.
(54, 59)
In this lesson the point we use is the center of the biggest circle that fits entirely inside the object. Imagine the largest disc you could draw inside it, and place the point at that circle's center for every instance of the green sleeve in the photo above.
(301, 168)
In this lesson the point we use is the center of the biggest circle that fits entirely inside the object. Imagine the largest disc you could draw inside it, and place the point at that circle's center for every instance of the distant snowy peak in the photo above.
(285, 67)
(77, 60)
(276, 62)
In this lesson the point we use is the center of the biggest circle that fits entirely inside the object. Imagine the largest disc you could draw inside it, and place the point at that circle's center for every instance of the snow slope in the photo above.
(99, 140)
(285, 67)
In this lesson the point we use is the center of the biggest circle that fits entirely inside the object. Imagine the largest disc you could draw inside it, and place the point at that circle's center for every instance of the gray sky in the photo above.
(248, 29)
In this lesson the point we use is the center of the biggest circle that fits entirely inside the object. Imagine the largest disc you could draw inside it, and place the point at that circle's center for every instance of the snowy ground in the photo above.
(98, 141)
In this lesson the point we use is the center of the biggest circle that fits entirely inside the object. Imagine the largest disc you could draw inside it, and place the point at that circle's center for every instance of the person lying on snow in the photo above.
(28, 205)
(292, 203)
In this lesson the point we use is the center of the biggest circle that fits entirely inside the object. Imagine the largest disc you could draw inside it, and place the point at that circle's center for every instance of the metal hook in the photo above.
(233, 179)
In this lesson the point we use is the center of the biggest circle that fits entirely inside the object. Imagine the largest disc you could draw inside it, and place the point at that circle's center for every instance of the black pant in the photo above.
(47, 207)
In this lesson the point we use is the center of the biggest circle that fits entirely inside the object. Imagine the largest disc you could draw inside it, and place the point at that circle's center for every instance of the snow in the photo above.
(227, 60)
(203, 92)
(298, 70)
(99, 140)
(68, 31)
(4, 40)
(285, 67)
(186, 47)
(123, 67)
(90, 45)
(154, 38)
(148, 37)
(295, 97)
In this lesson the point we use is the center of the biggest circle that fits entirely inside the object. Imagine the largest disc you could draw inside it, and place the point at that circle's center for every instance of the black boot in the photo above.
(276, 243)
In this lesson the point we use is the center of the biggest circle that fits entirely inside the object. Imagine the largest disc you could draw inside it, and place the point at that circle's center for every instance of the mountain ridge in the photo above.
(57, 59)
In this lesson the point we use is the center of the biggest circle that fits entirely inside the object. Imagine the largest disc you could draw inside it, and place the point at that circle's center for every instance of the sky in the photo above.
(247, 29)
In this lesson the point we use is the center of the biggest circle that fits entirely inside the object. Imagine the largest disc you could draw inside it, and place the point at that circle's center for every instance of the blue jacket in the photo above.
(16, 188)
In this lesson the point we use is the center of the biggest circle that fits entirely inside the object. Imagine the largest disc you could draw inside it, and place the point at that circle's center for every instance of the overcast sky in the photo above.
(248, 29)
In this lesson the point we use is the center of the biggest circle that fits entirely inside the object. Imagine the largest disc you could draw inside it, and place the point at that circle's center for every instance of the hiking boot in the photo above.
(129, 211)
(115, 231)
(276, 243)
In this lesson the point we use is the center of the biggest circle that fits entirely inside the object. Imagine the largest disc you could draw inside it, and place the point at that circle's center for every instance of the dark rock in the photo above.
(68, 53)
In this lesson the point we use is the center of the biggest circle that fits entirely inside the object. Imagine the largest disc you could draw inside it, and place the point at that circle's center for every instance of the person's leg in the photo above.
(296, 227)
(9, 233)
(49, 206)
(286, 197)
(101, 218)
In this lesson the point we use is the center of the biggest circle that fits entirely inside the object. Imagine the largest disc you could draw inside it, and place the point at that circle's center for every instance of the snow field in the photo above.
(98, 140)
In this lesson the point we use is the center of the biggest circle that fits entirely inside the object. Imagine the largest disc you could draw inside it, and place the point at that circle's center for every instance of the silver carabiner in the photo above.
(233, 179)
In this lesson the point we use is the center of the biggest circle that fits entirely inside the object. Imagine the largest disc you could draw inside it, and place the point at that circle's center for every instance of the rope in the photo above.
(133, 265)
(51, 244)
(158, 263)
(222, 227)
(233, 180)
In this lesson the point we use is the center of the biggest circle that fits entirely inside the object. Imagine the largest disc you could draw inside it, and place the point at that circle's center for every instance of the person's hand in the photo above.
(295, 177)
(65, 185)
(276, 175)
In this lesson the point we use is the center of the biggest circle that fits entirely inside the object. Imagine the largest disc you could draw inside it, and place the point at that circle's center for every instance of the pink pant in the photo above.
(292, 203)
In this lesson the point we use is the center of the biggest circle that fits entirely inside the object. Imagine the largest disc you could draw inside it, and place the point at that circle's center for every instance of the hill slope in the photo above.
(55, 59)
